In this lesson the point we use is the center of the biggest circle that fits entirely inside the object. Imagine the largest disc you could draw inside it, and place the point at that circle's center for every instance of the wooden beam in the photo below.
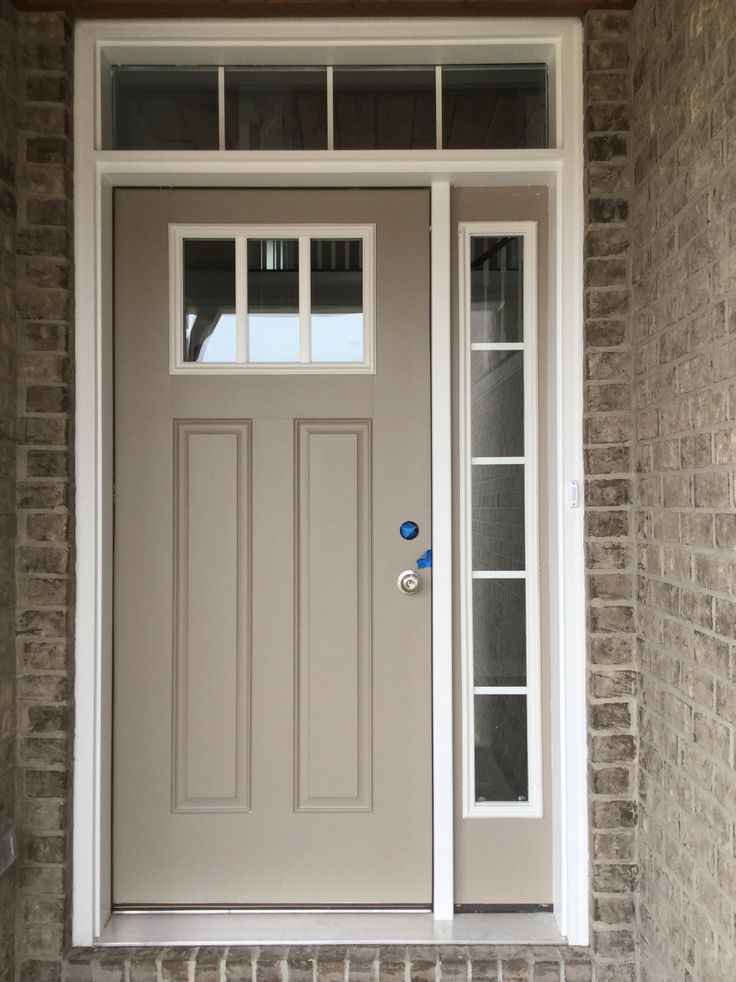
(322, 8)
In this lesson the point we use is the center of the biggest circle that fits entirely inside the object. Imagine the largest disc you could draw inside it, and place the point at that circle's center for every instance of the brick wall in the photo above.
(8, 85)
(45, 589)
(608, 439)
(684, 333)
(44, 550)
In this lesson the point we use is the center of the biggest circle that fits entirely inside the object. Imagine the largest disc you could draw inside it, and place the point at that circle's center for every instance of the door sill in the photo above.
(220, 929)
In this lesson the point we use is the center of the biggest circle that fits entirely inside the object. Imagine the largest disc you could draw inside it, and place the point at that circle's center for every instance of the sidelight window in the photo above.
(272, 299)
(499, 508)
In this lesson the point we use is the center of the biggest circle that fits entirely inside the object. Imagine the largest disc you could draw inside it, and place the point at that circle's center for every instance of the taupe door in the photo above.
(272, 738)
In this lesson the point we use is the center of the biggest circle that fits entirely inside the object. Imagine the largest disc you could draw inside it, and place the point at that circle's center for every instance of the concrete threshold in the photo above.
(222, 928)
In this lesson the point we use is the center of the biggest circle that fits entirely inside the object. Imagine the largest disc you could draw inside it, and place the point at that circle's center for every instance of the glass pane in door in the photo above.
(209, 300)
(337, 300)
(273, 300)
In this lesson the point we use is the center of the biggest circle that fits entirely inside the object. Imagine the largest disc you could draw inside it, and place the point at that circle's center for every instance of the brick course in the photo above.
(683, 321)
(8, 123)
(44, 555)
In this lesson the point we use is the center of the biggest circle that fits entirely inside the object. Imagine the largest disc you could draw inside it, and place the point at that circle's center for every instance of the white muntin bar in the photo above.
(241, 298)
(502, 574)
(438, 105)
(221, 107)
(500, 690)
(330, 108)
(305, 300)
(497, 346)
(492, 461)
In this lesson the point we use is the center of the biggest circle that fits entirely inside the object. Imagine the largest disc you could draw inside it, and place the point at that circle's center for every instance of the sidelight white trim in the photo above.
(532, 807)
(97, 172)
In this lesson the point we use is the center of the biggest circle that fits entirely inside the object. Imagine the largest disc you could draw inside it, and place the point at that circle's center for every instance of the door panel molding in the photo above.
(212, 616)
(333, 545)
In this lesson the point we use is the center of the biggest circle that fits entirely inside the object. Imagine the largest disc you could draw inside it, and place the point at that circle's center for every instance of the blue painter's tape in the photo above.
(425, 561)
(408, 530)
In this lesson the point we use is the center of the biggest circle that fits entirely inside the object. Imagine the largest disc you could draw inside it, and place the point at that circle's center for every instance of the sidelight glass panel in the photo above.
(275, 108)
(273, 300)
(165, 108)
(499, 632)
(381, 108)
(500, 642)
(209, 300)
(337, 300)
(498, 518)
(497, 403)
(496, 289)
(491, 107)
(501, 755)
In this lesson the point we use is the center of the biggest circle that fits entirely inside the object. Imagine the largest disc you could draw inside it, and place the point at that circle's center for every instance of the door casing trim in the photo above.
(98, 172)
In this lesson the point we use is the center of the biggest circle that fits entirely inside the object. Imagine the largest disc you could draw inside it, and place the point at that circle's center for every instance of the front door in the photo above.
(272, 732)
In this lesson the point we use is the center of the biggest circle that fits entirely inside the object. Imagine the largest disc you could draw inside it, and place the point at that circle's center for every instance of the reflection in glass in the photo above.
(384, 108)
(209, 300)
(496, 288)
(337, 300)
(497, 403)
(165, 108)
(501, 757)
(275, 108)
(498, 517)
(273, 300)
(490, 107)
(499, 632)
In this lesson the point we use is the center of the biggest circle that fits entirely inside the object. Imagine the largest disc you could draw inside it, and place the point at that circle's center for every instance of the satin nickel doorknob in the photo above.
(409, 581)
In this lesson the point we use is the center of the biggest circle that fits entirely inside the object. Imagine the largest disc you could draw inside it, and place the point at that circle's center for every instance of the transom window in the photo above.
(272, 299)
(416, 107)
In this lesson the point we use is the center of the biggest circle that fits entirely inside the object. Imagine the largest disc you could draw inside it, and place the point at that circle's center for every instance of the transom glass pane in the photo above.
(209, 300)
(276, 108)
(491, 107)
(337, 300)
(501, 756)
(273, 300)
(384, 108)
(165, 108)
(496, 288)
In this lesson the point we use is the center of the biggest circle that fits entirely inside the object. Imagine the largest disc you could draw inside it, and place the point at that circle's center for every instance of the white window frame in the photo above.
(532, 808)
(240, 234)
(98, 44)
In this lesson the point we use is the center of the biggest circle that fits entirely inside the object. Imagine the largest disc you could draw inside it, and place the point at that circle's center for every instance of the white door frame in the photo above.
(99, 171)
